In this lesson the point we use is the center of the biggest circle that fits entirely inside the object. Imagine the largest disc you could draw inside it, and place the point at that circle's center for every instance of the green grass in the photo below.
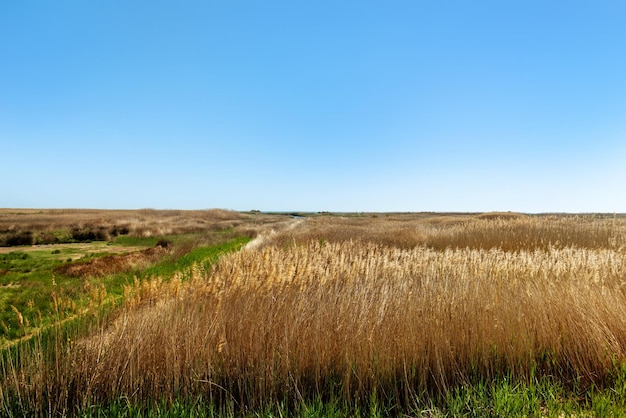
(28, 285)
(543, 397)
(28, 281)
(129, 241)
(203, 256)
(191, 239)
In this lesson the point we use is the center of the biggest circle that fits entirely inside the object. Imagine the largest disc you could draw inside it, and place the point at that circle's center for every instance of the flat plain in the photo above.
(219, 313)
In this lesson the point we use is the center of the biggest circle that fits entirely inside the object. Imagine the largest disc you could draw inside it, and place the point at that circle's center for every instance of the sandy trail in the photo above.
(264, 236)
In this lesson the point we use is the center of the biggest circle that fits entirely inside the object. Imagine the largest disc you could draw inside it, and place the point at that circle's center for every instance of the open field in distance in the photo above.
(52, 226)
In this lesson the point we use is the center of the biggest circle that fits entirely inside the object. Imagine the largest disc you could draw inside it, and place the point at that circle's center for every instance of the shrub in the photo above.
(90, 233)
(119, 230)
(164, 243)
(20, 238)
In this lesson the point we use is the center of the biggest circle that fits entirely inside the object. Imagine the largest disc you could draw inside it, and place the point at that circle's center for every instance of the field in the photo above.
(220, 313)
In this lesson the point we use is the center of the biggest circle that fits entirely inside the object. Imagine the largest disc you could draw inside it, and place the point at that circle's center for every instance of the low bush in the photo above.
(90, 233)
(20, 238)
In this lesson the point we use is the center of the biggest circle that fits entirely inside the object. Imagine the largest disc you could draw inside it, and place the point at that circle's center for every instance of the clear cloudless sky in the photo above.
(314, 105)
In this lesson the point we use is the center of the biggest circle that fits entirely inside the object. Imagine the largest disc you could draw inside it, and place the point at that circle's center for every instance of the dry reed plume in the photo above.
(348, 318)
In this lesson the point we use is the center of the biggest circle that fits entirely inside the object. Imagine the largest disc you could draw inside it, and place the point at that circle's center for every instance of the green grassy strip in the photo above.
(29, 280)
(130, 241)
(501, 398)
(204, 256)
(114, 284)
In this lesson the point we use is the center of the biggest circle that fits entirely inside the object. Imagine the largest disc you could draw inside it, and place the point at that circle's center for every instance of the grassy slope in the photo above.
(30, 285)
(29, 282)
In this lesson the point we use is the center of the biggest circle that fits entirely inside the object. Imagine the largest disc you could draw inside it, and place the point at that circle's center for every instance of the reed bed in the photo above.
(506, 231)
(345, 320)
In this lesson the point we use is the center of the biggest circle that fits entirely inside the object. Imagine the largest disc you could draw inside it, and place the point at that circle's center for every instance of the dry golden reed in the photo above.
(358, 316)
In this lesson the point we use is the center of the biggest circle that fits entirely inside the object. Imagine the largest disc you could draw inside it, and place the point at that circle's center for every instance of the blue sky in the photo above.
(314, 105)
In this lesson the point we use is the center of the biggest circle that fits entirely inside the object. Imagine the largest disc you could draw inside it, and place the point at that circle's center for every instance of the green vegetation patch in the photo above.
(542, 397)
(203, 256)
(130, 241)
(29, 283)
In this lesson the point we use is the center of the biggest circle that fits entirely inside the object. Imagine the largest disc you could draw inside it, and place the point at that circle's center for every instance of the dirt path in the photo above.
(98, 246)
(264, 236)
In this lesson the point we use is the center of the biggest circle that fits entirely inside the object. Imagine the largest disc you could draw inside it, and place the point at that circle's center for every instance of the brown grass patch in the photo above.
(100, 267)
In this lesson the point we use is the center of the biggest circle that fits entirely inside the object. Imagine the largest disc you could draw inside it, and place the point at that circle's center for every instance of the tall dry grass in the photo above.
(350, 318)
(506, 231)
